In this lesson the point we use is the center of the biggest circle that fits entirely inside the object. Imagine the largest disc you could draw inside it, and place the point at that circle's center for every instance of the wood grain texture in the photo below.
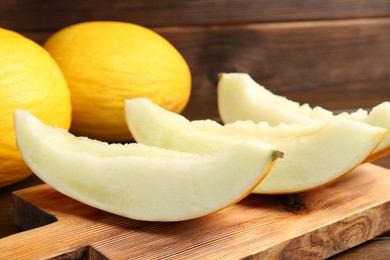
(337, 65)
(329, 53)
(380, 247)
(334, 64)
(325, 222)
(43, 15)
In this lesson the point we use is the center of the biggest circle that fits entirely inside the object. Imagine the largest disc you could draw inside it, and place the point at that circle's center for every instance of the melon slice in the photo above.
(241, 98)
(314, 154)
(138, 181)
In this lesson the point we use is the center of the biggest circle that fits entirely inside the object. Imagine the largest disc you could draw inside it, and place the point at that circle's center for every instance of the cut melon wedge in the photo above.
(314, 154)
(241, 98)
(137, 181)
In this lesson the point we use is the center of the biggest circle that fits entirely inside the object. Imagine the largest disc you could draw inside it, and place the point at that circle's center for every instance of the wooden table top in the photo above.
(377, 248)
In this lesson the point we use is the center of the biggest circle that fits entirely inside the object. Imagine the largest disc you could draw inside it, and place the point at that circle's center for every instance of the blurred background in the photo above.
(330, 53)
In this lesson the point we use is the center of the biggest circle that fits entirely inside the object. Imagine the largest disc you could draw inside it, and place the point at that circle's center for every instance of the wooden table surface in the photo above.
(377, 248)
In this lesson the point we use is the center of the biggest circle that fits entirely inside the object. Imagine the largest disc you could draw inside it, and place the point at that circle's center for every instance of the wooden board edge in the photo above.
(355, 230)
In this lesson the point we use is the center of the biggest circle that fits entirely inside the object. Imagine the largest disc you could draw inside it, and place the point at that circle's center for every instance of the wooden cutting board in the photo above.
(315, 224)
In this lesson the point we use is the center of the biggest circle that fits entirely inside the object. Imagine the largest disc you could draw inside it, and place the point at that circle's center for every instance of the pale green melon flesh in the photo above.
(316, 156)
(137, 181)
(241, 98)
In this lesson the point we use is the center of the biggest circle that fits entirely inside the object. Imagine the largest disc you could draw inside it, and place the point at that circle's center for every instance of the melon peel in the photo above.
(30, 79)
(138, 181)
(314, 154)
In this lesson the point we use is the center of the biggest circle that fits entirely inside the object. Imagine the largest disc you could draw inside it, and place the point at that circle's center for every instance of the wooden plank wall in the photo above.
(330, 53)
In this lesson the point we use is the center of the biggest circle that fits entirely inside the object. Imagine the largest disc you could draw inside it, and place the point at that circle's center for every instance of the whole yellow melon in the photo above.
(29, 79)
(107, 62)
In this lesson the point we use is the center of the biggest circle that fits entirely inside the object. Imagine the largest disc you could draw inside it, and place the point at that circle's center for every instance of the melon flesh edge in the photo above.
(380, 116)
(241, 98)
(314, 158)
(138, 181)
